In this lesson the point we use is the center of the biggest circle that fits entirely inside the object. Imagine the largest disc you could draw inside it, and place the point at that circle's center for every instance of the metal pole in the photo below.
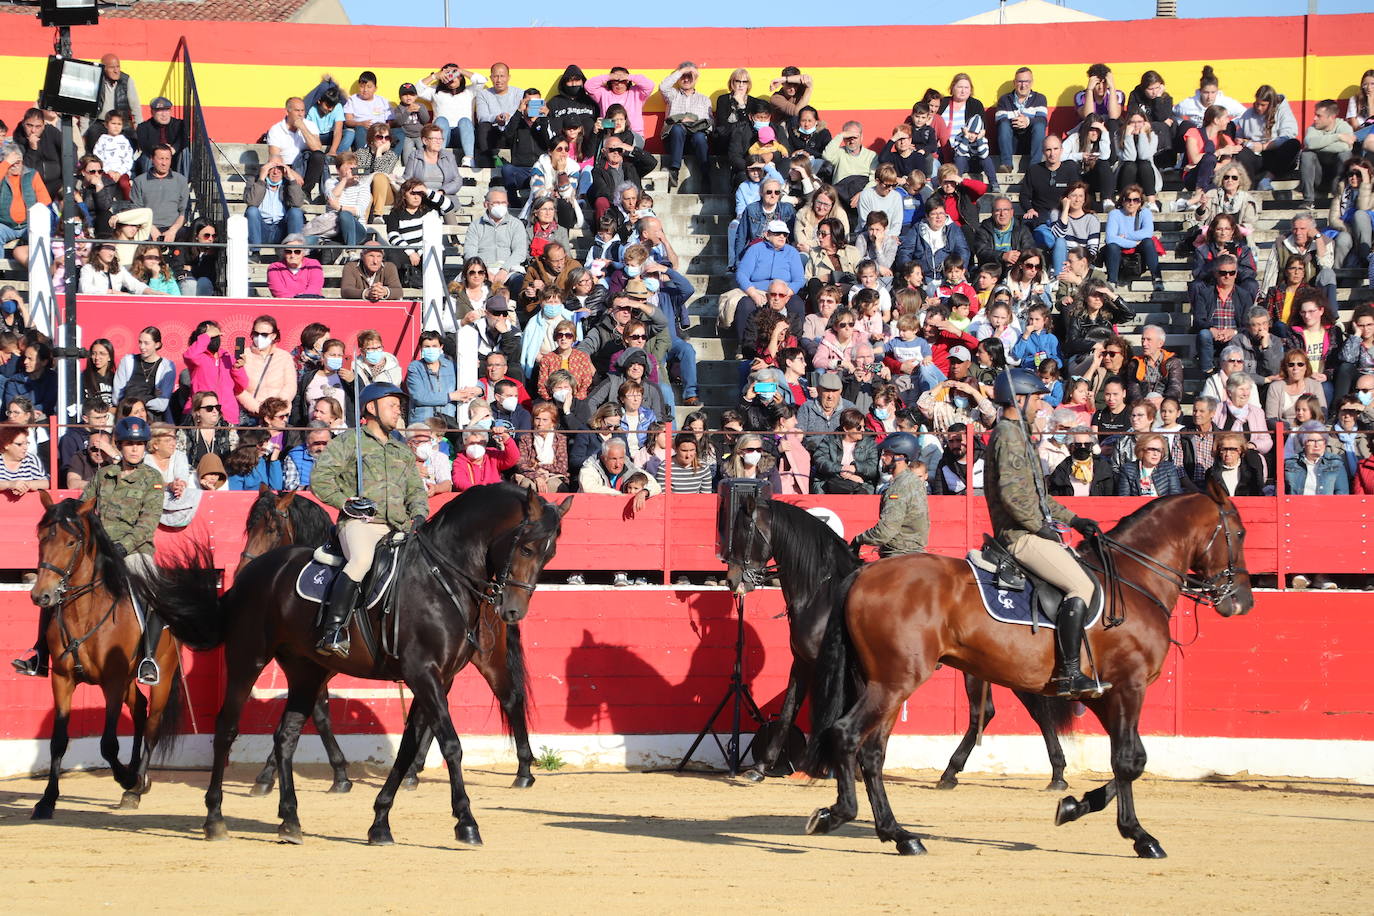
(446, 12)
(70, 404)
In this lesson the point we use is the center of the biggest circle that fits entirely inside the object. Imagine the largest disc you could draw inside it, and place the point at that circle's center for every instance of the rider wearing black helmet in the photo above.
(1023, 516)
(903, 517)
(391, 498)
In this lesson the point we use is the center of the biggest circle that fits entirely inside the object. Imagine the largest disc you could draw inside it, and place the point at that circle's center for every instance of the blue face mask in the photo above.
(631, 270)
(375, 356)
(552, 310)
(651, 284)
(431, 354)
(9, 306)
(1365, 397)
(960, 401)
(1061, 438)
(808, 131)
(333, 363)
(760, 125)
(881, 412)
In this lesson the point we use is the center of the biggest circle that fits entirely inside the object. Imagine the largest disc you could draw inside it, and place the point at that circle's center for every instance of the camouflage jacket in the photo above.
(129, 504)
(1013, 485)
(903, 518)
(389, 477)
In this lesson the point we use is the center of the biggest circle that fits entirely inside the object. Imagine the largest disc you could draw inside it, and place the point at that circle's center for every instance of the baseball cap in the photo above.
(777, 225)
(407, 89)
(829, 381)
(960, 353)
(161, 103)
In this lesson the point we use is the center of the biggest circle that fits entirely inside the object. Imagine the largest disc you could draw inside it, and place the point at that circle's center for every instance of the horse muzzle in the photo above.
(44, 598)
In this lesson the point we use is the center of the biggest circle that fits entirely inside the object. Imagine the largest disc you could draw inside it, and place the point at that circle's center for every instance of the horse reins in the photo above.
(66, 594)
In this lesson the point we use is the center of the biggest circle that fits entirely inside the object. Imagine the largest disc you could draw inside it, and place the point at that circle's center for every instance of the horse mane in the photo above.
(1147, 512)
(806, 549)
(261, 512)
(309, 521)
(463, 529)
(108, 563)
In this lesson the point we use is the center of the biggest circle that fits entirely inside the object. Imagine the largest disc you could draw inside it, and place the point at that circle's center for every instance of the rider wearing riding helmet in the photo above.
(1023, 516)
(391, 498)
(904, 517)
(128, 499)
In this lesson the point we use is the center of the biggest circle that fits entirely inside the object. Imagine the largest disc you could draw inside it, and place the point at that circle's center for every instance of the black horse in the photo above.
(281, 519)
(488, 545)
(812, 564)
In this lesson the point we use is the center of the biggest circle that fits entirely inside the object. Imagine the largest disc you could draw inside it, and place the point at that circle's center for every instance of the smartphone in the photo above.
(607, 123)
(239, 344)
(536, 107)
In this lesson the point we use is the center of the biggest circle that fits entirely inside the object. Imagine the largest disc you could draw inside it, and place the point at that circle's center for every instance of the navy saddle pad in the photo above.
(1015, 606)
(319, 574)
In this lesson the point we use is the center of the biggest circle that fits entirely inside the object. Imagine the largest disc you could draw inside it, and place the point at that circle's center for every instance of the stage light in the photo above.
(71, 87)
(68, 12)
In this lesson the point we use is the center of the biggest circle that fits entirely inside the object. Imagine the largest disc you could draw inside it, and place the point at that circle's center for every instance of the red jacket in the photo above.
(468, 473)
(939, 347)
(1364, 477)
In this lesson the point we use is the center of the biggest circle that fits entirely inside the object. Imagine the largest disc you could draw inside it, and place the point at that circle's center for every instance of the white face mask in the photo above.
(751, 458)
(508, 404)
(262, 341)
(476, 451)
(424, 451)
(561, 395)
(497, 212)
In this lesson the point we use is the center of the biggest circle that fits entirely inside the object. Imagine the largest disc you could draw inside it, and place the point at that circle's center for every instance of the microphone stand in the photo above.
(738, 693)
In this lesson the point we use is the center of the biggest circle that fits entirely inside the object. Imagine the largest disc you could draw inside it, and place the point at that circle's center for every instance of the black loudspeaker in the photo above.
(736, 495)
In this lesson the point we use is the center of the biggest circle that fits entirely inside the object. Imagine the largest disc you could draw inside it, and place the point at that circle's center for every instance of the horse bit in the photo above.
(66, 594)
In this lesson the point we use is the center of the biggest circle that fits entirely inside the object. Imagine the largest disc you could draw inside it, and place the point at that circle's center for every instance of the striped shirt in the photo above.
(408, 230)
(1079, 231)
(687, 480)
(29, 469)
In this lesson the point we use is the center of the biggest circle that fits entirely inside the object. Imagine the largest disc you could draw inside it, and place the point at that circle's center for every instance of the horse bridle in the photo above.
(756, 574)
(279, 513)
(66, 594)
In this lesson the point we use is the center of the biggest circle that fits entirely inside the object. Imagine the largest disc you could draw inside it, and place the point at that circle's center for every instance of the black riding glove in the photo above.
(1086, 527)
(854, 545)
(415, 524)
(1049, 533)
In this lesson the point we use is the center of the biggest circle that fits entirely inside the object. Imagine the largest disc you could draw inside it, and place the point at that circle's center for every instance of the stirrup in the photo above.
(30, 667)
(1078, 686)
(149, 675)
(334, 642)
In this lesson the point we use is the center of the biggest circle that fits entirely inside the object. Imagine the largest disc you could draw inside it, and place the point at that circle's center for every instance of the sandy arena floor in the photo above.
(604, 841)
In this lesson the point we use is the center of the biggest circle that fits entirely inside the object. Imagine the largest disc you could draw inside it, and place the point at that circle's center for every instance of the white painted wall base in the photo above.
(1013, 755)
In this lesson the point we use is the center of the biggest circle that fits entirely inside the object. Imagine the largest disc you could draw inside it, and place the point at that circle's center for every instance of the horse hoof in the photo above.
(260, 789)
(467, 834)
(290, 833)
(341, 787)
(522, 782)
(947, 783)
(1057, 785)
(911, 846)
(819, 822)
(410, 783)
(1069, 810)
(216, 830)
(752, 775)
(42, 811)
(379, 836)
(129, 802)
(1150, 849)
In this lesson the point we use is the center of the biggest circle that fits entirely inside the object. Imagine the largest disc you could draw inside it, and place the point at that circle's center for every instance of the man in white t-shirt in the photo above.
(365, 108)
(296, 140)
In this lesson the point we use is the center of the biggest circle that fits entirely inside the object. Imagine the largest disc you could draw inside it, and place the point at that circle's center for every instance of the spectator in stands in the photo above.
(350, 199)
(1232, 360)
(1022, 116)
(853, 163)
(34, 378)
(1113, 418)
(200, 268)
(1217, 307)
(97, 452)
(688, 473)
(20, 190)
(405, 227)
(833, 262)
(331, 379)
(95, 416)
(559, 177)
(376, 364)
(1239, 413)
(620, 87)
(1328, 143)
(1269, 137)
(1131, 230)
(434, 165)
(1264, 350)
(1101, 97)
(166, 193)
(822, 413)
(527, 134)
(610, 178)
(1070, 226)
(567, 358)
(1001, 238)
(104, 275)
(771, 260)
(687, 121)
(1230, 196)
(295, 276)
(932, 240)
(470, 290)
(298, 465)
(1283, 394)
(210, 473)
(1192, 110)
(546, 274)
(1316, 249)
(255, 461)
(363, 109)
(147, 375)
(1151, 474)
(734, 110)
(160, 130)
(1091, 147)
(1083, 473)
(753, 221)
(40, 146)
(847, 463)
(1352, 214)
(484, 457)
(210, 433)
(823, 205)
(115, 152)
(270, 370)
(498, 238)
(901, 153)
(881, 196)
(1316, 473)
(607, 472)
(1236, 467)
(432, 382)
(496, 104)
(1224, 236)
(371, 277)
(180, 494)
(1137, 145)
(152, 270)
(1043, 186)
(452, 93)
(1357, 353)
(968, 135)
(20, 470)
(379, 165)
(325, 112)
(952, 470)
(543, 465)
(1157, 373)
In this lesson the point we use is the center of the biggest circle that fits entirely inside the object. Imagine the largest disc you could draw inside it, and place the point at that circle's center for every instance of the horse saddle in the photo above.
(318, 575)
(1013, 594)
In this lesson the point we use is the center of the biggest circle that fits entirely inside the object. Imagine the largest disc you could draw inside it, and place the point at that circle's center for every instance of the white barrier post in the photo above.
(436, 312)
(43, 308)
(236, 257)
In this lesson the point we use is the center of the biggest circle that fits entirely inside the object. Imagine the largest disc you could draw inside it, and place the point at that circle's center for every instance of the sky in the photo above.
(705, 13)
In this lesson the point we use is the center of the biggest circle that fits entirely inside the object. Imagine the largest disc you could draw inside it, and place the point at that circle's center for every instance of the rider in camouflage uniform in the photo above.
(1023, 517)
(904, 516)
(392, 498)
(128, 498)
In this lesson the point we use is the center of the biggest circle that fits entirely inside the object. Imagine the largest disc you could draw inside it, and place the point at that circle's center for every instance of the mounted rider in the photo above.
(903, 524)
(391, 498)
(128, 499)
(1023, 518)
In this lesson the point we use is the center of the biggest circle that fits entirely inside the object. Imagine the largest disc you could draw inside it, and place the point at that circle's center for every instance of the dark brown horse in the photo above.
(94, 637)
(879, 649)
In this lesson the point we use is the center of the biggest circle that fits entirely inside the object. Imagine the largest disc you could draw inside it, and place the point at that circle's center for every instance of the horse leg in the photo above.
(1041, 710)
(156, 705)
(379, 834)
(495, 668)
(1128, 762)
(433, 698)
(791, 701)
(62, 690)
(872, 753)
(425, 736)
(267, 776)
(138, 711)
(337, 761)
(846, 735)
(975, 689)
(304, 680)
(109, 736)
(238, 686)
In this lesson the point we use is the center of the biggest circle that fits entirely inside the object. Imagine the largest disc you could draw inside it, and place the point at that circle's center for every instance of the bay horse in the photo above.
(812, 563)
(280, 519)
(489, 544)
(902, 616)
(94, 637)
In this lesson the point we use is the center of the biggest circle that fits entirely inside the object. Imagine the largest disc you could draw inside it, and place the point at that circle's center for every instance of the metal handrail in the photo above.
(207, 189)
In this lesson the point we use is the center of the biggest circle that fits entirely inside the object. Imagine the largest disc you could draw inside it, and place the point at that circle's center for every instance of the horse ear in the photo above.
(1217, 491)
(263, 489)
(45, 499)
(565, 507)
(87, 507)
(284, 500)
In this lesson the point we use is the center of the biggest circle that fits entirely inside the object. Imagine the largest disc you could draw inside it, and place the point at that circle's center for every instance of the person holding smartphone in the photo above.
(620, 87)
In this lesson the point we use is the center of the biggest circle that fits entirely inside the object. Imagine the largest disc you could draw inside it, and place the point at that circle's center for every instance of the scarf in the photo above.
(1082, 470)
(1001, 238)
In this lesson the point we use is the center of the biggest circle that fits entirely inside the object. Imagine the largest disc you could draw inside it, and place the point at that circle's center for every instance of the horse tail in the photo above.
(169, 727)
(187, 599)
(1055, 712)
(519, 677)
(834, 685)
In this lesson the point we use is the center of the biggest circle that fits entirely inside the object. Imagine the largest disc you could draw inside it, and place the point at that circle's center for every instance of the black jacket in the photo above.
(527, 140)
(1060, 481)
(985, 248)
(1251, 480)
(603, 182)
(146, 136)
(577, 107)
(1204, 296)
(731, 117)
(1042, 191)
(1155, 110)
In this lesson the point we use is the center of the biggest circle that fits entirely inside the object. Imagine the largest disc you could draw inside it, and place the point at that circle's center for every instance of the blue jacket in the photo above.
(1041, 343)
(42, 391)
(428, 392)
(762, 264)
(268, 472)
(751, 223)
(304, 462)
(1168, 478)
(1331, 476)
(914, 248)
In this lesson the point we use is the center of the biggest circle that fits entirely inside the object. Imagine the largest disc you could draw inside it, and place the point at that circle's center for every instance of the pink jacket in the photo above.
(639, 90)
(308, 281)
(468, 473)
(215, 372)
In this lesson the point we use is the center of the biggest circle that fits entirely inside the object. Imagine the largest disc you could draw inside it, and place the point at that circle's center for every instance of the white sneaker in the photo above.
(467, 162)
(1300, 581)
(621, 580)
(1108, 205)
(1154, 205)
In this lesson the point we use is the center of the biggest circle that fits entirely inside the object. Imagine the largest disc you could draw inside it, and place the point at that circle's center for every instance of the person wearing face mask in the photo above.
(505, 405)
(373, 363)
(539, 332)
(563, 394)
(903, 524)
(270, 370)
(214, 369)
(484, 457)
(1083, 473)
(432, 382)
(435, 468)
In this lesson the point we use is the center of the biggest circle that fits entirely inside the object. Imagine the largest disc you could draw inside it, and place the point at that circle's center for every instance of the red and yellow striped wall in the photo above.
(246, 70)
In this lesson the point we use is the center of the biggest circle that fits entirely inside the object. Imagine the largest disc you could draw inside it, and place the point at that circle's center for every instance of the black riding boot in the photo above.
(36, 665)
(1069, 681)
(334, 630)
(149, 675)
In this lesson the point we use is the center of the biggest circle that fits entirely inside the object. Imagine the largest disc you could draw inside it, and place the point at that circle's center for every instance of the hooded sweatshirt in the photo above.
(573, 107)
